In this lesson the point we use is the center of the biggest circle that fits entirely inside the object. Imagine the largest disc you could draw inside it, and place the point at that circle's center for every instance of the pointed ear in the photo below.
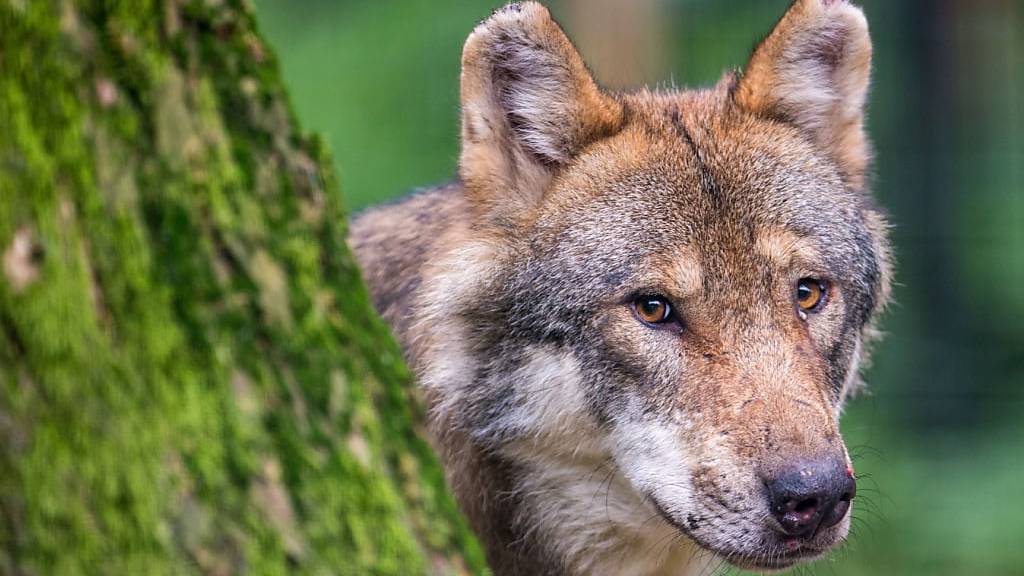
(812, 71)
(529, 105)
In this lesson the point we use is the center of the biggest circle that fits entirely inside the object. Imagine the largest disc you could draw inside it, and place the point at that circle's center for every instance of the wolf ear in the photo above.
(529, 105)
(812, 71)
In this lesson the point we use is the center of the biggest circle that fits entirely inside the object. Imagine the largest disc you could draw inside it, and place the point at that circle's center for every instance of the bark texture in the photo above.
(191, 377)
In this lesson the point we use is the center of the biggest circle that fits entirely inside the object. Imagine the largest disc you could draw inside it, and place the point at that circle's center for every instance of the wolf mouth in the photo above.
(767, 560)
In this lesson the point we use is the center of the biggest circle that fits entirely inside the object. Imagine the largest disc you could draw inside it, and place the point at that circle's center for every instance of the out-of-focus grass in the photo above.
(938, 440)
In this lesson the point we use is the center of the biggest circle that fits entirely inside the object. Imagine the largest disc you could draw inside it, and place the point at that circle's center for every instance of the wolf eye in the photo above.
(810, 294)
(652, 310)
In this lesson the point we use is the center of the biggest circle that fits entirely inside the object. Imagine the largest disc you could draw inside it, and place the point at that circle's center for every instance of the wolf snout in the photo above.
(810, 496)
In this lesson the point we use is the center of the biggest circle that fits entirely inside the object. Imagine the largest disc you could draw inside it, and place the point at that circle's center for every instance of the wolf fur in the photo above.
(576, 438)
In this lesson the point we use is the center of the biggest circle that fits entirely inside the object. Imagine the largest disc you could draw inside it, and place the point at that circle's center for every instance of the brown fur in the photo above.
(510, 292)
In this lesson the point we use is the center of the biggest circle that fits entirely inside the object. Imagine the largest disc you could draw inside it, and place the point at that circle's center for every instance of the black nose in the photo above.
(811, 496)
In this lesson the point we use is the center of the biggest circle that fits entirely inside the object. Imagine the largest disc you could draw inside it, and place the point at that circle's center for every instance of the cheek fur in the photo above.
(652, 457)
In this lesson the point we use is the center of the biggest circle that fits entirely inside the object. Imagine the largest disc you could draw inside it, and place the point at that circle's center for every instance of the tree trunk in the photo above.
(191, 377)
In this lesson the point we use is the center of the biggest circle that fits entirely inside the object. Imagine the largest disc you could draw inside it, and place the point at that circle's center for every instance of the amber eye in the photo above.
(810, 294)
(652, 309)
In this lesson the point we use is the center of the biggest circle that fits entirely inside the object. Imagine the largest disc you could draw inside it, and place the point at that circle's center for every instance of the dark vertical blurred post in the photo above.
(932, 203)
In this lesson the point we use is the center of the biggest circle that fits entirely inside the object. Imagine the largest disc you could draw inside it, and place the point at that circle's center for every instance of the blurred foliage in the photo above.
(939, 436)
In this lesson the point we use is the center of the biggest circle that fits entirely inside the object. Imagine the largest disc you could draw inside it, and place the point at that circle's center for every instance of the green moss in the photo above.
(194, 381)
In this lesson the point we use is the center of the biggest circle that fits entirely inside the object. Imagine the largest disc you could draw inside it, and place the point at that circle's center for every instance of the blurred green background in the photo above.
(939, 438)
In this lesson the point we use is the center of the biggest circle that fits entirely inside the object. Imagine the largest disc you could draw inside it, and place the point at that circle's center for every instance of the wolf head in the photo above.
(665, 292)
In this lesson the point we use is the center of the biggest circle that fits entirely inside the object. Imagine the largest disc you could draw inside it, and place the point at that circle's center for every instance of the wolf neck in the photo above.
(535, 477)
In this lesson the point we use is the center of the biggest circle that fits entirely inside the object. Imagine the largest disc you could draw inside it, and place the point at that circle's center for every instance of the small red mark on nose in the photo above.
(849, 471)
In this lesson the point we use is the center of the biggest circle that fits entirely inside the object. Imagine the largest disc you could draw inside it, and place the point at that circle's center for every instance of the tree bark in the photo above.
(192, 379)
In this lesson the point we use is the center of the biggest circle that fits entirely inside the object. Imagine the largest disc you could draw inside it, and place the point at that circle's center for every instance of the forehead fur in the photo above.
(690, 168)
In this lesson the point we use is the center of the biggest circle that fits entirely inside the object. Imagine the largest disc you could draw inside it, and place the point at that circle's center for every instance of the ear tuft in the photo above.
(529, 105)
(812, 71)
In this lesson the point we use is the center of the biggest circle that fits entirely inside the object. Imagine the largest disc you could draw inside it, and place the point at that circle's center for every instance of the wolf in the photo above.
(635, 317)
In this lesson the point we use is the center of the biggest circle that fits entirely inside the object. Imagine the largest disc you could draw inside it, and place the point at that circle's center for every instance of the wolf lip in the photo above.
(794, 550)
(769, 559)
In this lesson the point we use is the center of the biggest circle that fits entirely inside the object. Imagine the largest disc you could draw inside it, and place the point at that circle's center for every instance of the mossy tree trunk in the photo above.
(191, 378)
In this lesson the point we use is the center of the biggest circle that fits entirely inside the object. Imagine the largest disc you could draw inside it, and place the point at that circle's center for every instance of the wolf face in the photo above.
(637, 317)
